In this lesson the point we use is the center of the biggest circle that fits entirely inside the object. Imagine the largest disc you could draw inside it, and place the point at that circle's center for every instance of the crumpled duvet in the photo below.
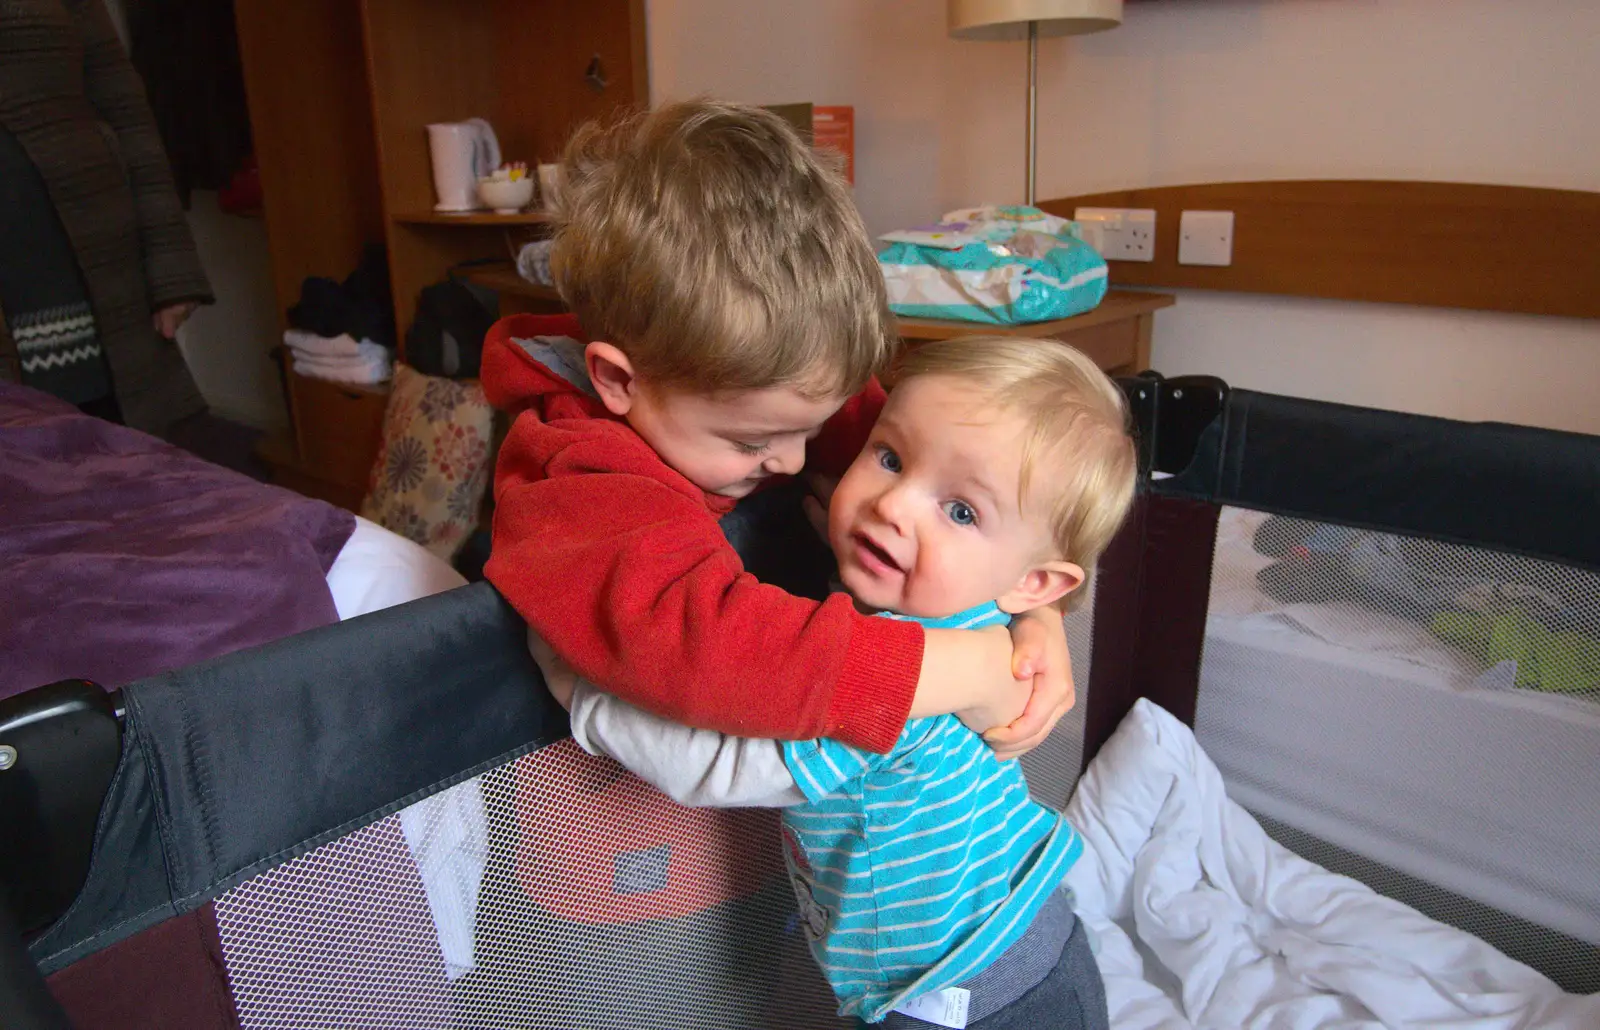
(1203, 921)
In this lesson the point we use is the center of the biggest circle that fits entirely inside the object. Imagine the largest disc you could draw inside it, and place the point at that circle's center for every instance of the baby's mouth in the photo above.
(870, 546)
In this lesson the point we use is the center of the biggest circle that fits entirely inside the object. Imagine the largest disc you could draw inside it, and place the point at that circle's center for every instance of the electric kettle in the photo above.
(462, 153)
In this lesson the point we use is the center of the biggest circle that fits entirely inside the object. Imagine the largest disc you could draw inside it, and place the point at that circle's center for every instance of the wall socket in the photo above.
(1205, 238)
(1119, 233)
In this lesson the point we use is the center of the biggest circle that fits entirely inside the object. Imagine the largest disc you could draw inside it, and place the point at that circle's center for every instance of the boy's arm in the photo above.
(700, 768)
(629, 579)
(968, 673)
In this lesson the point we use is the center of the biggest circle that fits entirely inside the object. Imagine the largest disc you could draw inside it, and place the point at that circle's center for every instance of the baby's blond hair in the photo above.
(716, 249)
(1077, 451)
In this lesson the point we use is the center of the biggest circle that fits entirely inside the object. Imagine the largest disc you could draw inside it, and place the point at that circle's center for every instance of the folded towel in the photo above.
(359, 361)
(310, 343)
(376, 369)
(332, 348)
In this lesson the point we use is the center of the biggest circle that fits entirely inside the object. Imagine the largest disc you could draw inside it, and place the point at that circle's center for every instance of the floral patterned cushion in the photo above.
(433, 463)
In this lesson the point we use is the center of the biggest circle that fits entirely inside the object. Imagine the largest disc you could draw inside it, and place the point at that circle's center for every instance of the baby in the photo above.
(927, 879)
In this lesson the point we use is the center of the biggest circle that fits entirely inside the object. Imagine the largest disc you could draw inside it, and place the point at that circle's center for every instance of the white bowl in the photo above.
(506, 196)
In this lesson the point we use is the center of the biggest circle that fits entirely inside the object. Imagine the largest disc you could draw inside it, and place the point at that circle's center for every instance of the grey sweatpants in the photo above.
(1070, 996)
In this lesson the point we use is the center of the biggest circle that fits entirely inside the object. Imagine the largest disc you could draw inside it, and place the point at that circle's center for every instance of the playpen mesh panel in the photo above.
(1052, 768)
(556, 892)
(1428, 710)
(1574, 965)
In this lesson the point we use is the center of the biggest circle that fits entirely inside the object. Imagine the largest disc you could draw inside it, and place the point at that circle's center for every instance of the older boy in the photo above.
(927, 879)
(733, 317)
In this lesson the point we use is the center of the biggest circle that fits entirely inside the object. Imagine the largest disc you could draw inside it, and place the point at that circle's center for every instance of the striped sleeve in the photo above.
(824, 766)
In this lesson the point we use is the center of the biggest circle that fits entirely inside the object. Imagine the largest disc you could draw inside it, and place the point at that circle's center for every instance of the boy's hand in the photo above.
(1040, 658)
(967, 673)
(558, 675)
(1001, 698)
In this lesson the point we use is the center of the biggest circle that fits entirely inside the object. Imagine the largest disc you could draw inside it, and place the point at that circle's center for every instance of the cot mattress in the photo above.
(1364, 730)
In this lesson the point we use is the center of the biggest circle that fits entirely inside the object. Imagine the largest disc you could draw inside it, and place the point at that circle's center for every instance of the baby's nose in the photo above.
(892, 509)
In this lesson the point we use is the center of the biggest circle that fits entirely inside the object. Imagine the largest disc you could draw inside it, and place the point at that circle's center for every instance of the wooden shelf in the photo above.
(1116, 334)
(503, 278)
(472, 218)
(1117, 306)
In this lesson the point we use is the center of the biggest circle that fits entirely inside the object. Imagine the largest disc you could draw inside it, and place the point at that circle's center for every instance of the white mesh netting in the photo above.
(1052, 768)
(557, 892)
(1421, 716)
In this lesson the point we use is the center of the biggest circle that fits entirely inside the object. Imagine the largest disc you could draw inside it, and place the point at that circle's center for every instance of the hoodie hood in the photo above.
(535, 363)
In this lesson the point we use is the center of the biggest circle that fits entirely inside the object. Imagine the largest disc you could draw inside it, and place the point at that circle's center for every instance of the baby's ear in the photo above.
(612, 375)
(1041, 585)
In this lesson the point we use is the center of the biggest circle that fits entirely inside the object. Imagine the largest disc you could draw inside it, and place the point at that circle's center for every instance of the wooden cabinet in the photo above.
(340, 93)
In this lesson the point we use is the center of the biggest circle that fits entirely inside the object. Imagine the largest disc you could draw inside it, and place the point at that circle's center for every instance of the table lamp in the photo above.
(1000, 20)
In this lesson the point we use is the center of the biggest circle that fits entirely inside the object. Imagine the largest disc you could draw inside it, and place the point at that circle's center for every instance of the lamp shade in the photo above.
(1008, 19)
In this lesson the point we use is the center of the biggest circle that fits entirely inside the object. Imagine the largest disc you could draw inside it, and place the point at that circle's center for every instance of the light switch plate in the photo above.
(1205, 238)
(1119, 233)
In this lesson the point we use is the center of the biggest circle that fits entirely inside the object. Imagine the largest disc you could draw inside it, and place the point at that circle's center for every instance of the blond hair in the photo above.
(719, 253)
(1077, 447)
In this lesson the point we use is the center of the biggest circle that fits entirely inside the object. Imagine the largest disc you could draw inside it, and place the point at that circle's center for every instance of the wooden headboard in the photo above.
(1493, 248)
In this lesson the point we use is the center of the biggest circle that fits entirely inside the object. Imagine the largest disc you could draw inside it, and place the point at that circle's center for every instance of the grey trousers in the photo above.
(1072, 997)
(1069, 996)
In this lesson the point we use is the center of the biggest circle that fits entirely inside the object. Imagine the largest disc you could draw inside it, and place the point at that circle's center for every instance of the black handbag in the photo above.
(446, 336)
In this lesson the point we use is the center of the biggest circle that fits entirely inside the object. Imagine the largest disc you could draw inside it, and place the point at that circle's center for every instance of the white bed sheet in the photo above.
(448, 833)
(378, 569)
(1364, 730)
(1202, 921)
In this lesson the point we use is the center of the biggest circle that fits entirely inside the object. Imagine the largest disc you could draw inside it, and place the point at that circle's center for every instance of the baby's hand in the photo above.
(1040, 658)
(559, 677)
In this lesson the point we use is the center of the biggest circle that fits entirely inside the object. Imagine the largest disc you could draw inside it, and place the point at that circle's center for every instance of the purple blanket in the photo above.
(122, 556)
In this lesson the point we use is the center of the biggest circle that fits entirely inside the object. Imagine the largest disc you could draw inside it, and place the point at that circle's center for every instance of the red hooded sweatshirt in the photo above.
(618, 563)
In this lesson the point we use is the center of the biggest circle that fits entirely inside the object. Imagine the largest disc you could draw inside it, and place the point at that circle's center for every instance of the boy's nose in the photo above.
(786, 459)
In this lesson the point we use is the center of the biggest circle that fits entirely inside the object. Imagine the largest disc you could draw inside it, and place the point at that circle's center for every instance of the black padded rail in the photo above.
(1527, 491)
(237, 764)
(59, 747)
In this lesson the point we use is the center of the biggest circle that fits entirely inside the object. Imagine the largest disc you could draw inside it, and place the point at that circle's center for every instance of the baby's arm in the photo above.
(700, 768)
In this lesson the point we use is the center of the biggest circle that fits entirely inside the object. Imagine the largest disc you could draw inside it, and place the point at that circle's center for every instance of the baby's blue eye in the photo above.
(961, 513)
(888, 460)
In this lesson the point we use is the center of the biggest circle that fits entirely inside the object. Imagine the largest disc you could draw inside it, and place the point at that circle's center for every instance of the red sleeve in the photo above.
(844, 434)
(629, 579)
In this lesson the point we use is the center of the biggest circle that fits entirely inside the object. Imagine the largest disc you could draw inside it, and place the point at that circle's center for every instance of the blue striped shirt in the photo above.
(914, 870)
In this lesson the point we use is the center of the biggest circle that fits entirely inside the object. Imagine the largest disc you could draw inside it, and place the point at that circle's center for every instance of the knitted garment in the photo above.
(41, 291)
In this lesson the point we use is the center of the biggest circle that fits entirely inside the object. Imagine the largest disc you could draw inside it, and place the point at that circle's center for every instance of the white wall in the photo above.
(227, 343)
(1213, 90)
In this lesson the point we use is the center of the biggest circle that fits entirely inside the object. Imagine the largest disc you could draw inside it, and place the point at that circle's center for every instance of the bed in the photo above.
(124, 557)
(1299, 812)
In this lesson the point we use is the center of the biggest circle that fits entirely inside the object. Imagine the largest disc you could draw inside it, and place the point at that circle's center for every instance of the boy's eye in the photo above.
(750, 448)
(888, 460)
(961, 513)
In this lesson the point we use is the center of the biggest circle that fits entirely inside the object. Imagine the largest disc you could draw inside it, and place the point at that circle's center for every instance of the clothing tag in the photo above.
(947, 1007)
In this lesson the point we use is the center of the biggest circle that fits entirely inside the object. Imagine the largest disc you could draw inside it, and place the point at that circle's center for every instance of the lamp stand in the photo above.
(1033, 108)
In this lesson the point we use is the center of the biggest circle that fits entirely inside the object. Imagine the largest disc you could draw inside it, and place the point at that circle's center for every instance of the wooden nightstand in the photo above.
(1116, 334)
